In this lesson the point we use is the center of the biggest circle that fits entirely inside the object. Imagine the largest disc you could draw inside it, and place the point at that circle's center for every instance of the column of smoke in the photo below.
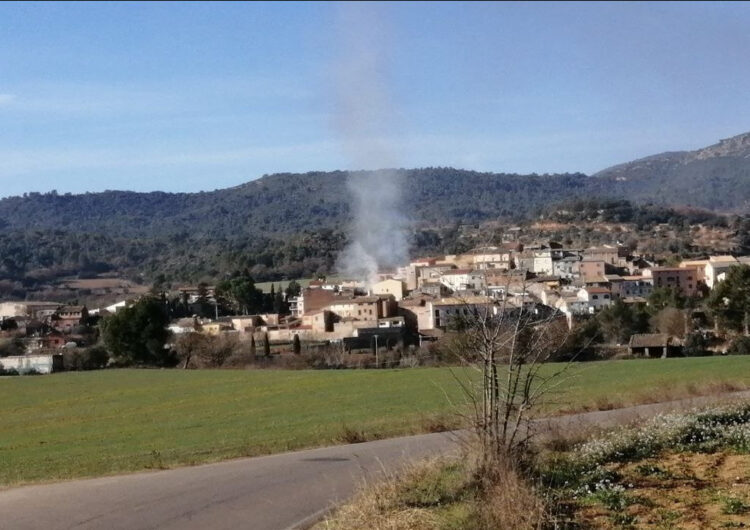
(365, 120)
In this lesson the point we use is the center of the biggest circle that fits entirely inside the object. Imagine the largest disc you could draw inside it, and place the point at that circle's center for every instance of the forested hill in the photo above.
(294, 225)
(716, 177)
(286, 203)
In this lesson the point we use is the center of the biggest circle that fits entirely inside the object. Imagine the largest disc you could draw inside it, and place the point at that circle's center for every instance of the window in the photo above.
(594, 297)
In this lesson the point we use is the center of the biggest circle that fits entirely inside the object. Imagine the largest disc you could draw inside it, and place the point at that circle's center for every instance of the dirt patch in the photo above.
(692, 491)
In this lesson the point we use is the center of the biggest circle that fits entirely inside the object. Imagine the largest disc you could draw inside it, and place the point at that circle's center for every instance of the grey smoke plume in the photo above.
(366, 120)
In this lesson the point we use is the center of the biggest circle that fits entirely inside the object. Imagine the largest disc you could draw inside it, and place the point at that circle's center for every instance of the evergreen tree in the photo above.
(730, 299)
(266, 345)
(137, 334)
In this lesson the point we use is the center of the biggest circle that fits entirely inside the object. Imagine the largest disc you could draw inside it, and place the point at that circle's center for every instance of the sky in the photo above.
(200, 96)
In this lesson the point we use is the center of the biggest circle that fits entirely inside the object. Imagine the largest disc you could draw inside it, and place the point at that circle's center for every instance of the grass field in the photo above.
(96, 423)
(283, 284)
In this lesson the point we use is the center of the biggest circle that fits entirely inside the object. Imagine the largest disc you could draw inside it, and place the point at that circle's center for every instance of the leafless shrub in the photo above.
(202, 351)
(508, 346)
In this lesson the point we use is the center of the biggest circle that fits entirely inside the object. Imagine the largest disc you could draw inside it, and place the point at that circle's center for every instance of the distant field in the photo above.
(303, 282)
(96, 423)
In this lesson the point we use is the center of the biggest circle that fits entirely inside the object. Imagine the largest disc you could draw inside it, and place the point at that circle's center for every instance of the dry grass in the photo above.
(507, 500)
(441, 423)
(389, 504)
(443, 493)
(350, 435)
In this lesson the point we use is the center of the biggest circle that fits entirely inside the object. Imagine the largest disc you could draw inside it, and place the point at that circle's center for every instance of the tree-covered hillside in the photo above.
(292, 225)
(285, 203)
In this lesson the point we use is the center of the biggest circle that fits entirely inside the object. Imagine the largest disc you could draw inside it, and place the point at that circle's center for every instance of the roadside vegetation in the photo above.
(688, 470)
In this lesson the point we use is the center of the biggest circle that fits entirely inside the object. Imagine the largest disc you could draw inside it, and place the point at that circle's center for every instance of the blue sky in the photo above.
(192, 96)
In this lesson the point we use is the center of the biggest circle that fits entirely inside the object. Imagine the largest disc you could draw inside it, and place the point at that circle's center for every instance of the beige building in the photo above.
(320, 321)
(591, 269)
(36, 310)
(391, 287)
(699, 265)
(606, 253)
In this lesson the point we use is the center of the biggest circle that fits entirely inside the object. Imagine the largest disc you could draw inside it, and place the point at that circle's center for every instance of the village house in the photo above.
(608, 254)
(463, 280)
(395, 288)
(443, 312)
(246, 323)
(636, 286)
(591, 268)
(320, 321)
(364, 307)
(682, 279)
(416, 313)
(432, 274)
(51, 341)
(572, 306)
(699, 265)
(542, 263)
(717, 265)
(568, 267)
(434, 289)
(36, 310)
(311, 300)
(596, 297)
(491, 258)
(69, 317)
(524, 260)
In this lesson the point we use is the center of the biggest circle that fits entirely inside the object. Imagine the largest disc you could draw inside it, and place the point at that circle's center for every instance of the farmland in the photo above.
(96, 423)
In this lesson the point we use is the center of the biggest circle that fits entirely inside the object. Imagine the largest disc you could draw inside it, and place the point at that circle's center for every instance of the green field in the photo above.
(283, 284)
(95, 423)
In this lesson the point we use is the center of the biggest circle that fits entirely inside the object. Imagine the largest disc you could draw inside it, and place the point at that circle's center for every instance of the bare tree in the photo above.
(189, 346)
(209, 352)
(508, 345)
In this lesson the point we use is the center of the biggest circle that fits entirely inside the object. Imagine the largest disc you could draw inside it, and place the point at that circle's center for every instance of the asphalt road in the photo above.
(290, 490)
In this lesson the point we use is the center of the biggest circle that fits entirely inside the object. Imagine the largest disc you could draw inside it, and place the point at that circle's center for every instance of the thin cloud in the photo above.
(165, 98)
(16, 163)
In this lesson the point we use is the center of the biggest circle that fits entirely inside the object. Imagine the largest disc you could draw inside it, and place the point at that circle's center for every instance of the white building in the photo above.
(596, 297)
(463, 280)
(717, 265)
(443, 311)
(543, 262)
(43, 364)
